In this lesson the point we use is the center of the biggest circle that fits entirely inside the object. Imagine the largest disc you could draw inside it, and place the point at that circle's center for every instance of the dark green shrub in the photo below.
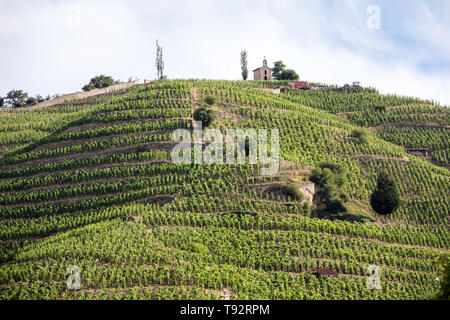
(306, 209)
(100, 81)
(247, 146)
(289, 75)
(293, 191)
(206, 116)
(380, 108)
(360, 136)
(31, 101)
(444, 292)
(328, 191)
(88, 87)
(330, 177)
(210, 100)
(336, 206)
(336, 168)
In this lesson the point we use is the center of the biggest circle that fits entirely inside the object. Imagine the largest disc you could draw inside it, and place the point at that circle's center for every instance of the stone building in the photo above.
(263, 73)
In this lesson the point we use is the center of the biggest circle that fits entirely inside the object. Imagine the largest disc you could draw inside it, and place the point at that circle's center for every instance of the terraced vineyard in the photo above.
(408, 122)
(91, 184)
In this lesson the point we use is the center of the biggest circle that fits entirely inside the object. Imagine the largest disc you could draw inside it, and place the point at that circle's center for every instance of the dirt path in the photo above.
(195, 99)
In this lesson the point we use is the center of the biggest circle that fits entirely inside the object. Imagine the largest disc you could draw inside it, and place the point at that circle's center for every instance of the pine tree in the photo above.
(386, 198)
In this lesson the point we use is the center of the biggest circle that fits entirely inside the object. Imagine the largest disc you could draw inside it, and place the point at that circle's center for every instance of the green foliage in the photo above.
(280, 73)
(306, 209)
(244, 65)
(100, 81)
(206, 116)
(360, 136)
(289, 74)
(278, 68)
(198, 248)
(386, 197)
(405, 121)
(293, 190)
(336, 206)
(331, 172)
(32, 101)
(88, 87)
(444, 280)
(2, 101)
(330, 178)
(210, 100)
(16, 98)
(435, 139)
(59, 186)
(247, 146)
(380, 108)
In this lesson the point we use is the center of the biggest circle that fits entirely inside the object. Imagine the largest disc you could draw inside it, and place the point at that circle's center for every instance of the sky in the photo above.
(397, 46)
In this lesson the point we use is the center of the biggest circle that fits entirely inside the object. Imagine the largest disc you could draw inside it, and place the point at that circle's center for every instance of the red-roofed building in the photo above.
(300, 84)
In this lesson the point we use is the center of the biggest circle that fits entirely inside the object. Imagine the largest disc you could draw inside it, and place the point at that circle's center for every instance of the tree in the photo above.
(386, 198)
(2, 101)
(159, 61)
(278, 67)
(330, 177)
(244, 64)
(288, 75)
(100, 81)
(337, 170)
(31, 101)
(280, 73)
(206, 116)
(16, 98)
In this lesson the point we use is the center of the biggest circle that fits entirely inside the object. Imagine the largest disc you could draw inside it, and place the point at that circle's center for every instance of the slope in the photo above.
(93, 185)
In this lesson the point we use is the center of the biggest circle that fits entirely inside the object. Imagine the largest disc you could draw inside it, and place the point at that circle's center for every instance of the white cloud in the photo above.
(322, 40)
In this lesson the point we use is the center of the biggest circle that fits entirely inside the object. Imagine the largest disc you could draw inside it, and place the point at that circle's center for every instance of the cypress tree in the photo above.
(386, 198)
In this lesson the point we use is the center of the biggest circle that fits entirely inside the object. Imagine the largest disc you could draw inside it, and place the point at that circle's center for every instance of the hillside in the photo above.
(91, 183)
(409, 122)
